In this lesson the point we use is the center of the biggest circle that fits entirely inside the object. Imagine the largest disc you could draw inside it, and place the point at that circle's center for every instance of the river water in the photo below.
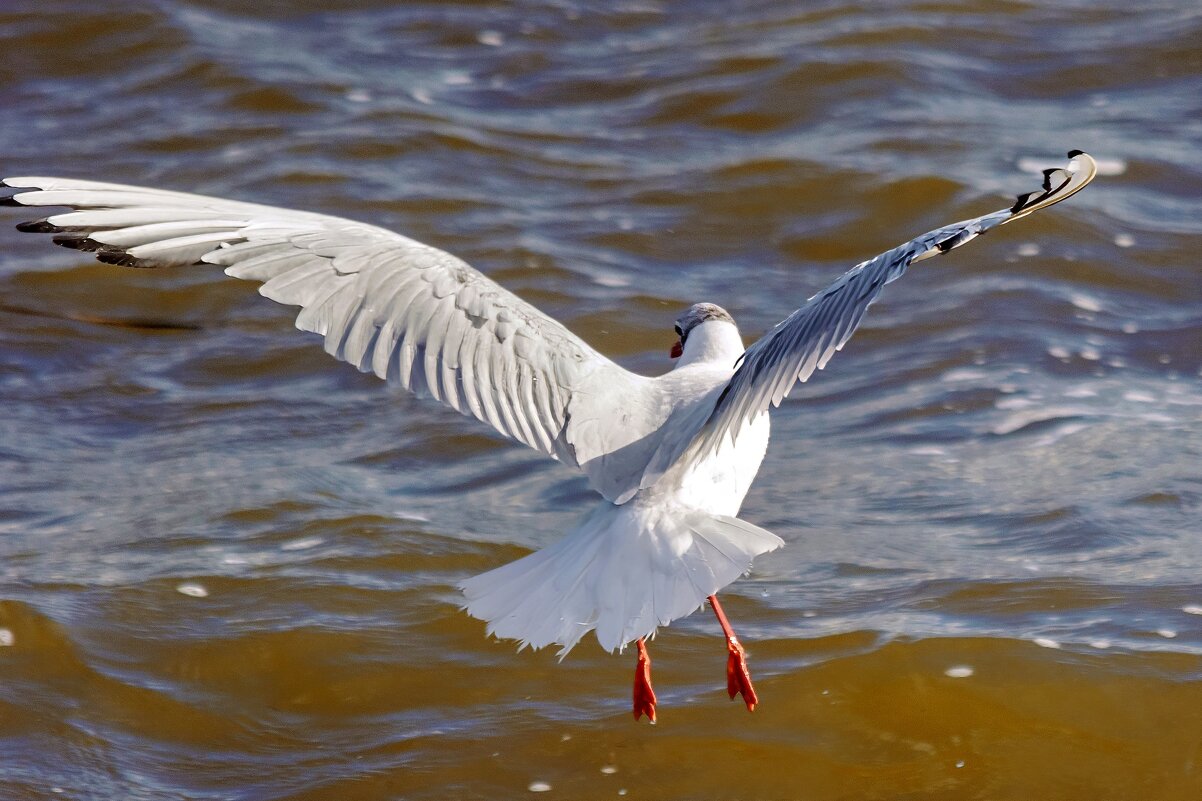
(227, 562)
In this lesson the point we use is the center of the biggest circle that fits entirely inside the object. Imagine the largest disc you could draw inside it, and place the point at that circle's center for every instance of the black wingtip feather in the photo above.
(105, 253)
(42, 226)
(120, 257)
(1047, 177)
(1072, 154)
(77, 242)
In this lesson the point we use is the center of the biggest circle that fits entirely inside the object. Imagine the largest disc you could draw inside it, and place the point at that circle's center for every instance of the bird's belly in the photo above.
(719, 484)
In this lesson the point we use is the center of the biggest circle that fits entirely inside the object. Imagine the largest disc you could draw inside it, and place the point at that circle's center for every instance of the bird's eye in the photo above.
(679, 333)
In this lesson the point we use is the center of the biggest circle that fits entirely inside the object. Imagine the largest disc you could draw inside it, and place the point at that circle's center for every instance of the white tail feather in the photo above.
(624, 570)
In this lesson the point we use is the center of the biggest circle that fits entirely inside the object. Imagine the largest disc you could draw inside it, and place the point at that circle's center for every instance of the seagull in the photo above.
(671, 456)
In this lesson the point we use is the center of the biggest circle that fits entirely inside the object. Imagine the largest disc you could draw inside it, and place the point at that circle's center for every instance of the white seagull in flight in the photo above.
(671, 457)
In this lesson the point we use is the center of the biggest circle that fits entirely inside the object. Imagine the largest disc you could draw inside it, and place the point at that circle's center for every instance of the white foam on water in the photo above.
(302, 544)
(192, 590)
(1085, 302)
(1105, 166)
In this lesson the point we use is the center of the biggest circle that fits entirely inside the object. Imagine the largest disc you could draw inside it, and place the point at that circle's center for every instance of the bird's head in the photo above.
(706, 332)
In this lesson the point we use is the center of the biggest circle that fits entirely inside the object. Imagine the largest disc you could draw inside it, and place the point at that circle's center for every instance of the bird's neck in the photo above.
(712, 342)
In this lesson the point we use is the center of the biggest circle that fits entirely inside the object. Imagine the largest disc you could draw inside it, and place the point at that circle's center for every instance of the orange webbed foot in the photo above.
(644, 695)
(738, 677)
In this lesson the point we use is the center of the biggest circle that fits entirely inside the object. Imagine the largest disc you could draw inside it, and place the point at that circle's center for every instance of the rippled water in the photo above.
(227, 562)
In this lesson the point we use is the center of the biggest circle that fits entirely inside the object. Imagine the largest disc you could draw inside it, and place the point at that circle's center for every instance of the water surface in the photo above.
(227, 562)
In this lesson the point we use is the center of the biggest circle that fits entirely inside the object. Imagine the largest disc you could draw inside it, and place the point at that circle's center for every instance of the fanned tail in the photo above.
(623, 571)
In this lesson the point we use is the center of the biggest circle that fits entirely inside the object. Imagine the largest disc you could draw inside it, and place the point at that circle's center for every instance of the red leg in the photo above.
(738, 677)
(644, 696)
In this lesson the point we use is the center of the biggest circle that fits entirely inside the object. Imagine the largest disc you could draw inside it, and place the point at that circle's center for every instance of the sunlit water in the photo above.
(227, 566)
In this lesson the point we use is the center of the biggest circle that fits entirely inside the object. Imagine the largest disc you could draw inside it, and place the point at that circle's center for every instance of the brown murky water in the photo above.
(227, 562)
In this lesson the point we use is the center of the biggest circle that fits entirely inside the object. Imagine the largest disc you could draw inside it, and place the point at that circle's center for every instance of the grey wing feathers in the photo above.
(409, 313)
(807, 338)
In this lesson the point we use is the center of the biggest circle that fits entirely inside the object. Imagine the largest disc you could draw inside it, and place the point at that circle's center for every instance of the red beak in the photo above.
(677, 349)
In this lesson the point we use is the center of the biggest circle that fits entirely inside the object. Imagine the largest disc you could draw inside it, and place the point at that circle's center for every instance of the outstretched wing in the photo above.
(405, 311)
(807, 338)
